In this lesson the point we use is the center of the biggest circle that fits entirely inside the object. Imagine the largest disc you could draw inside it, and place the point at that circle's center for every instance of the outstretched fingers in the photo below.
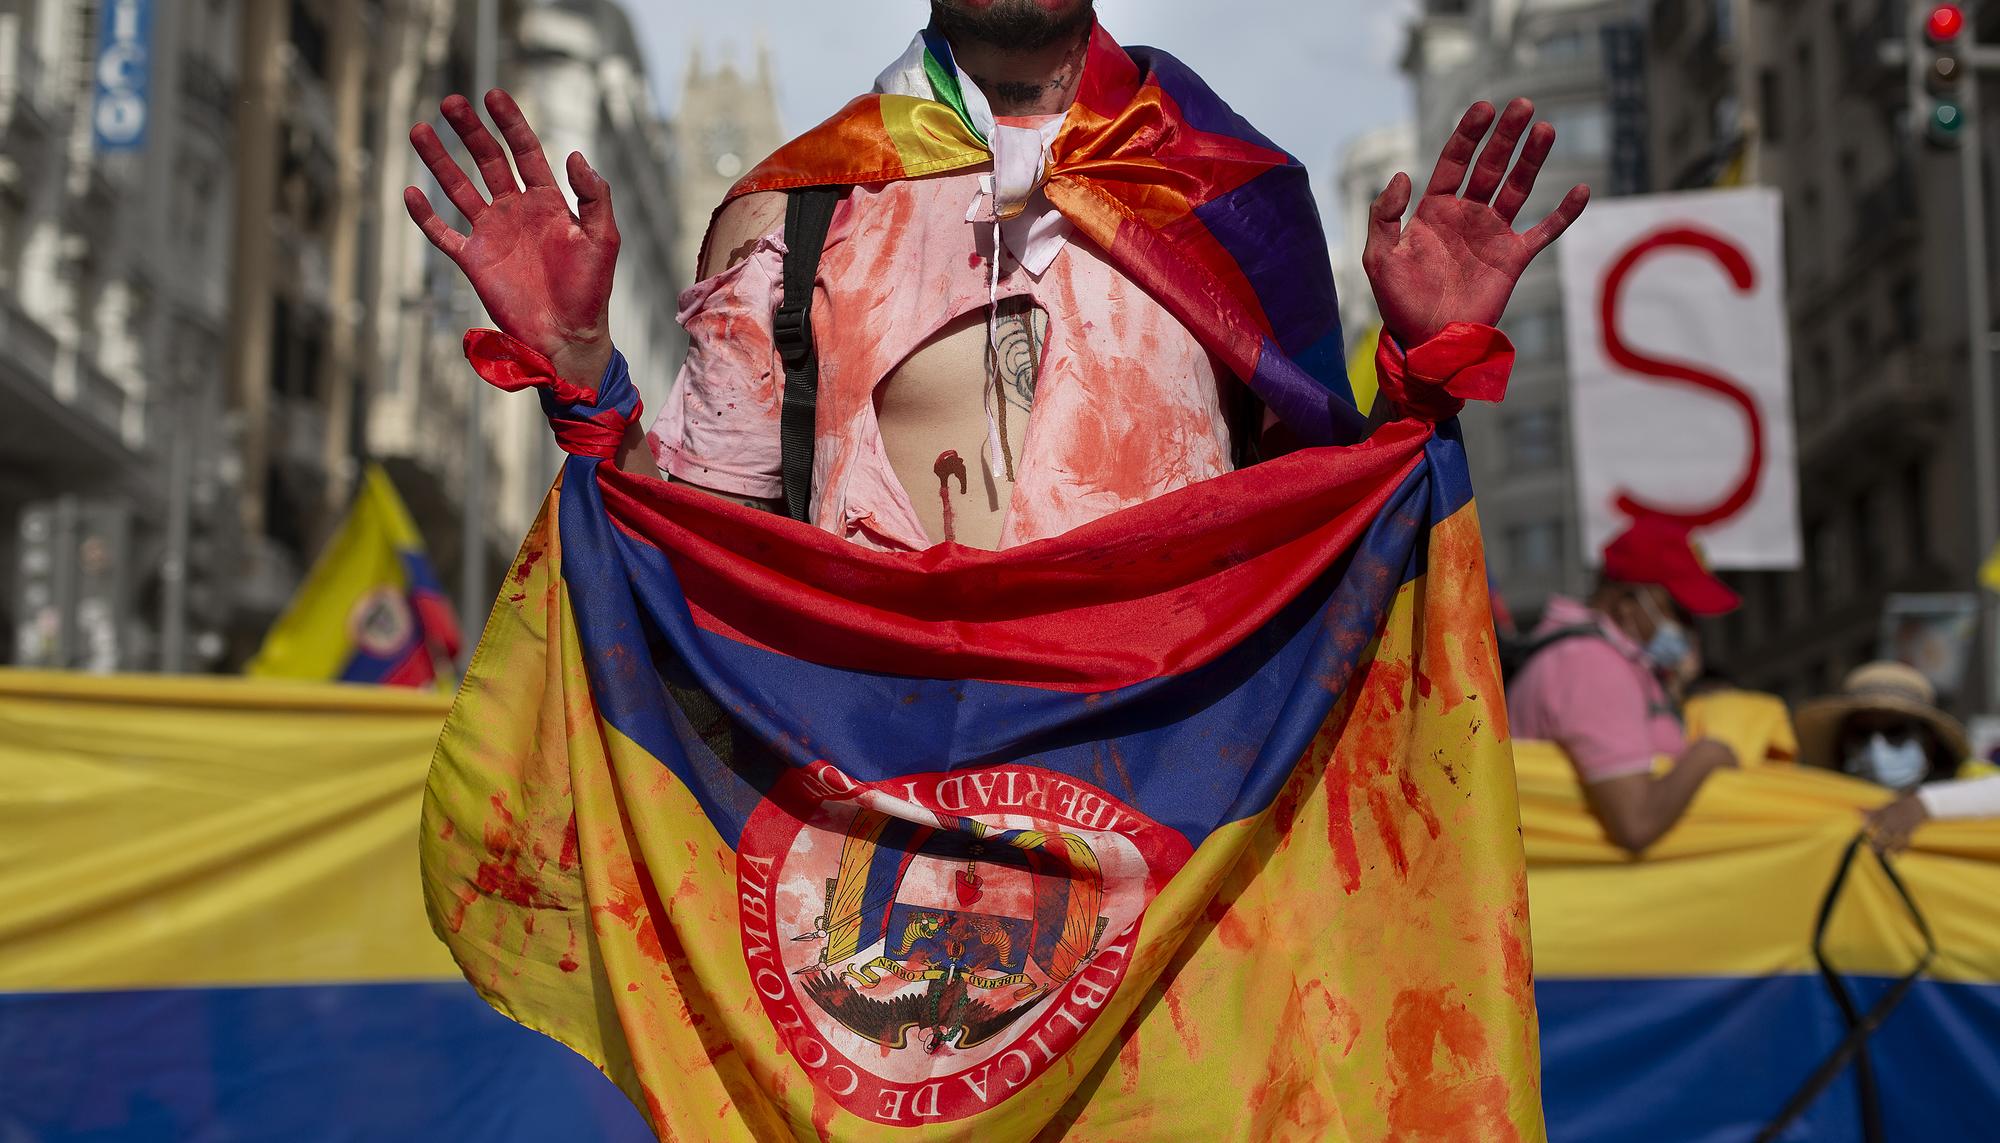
(1567, 211)
(450, 179)
(521, 139)
(593, 199)
(1521, 180)
(1499, 151)
(1385, 218)
(442, 236)
(1458, 150)
(494, 170)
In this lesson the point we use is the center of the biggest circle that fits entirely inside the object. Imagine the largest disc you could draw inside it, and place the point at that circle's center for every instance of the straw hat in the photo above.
(1874, 686)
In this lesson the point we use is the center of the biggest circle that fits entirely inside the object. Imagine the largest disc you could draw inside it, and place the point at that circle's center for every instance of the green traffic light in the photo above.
(1946, 119)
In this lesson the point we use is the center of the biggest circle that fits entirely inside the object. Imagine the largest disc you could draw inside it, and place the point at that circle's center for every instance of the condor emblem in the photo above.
(929, 946)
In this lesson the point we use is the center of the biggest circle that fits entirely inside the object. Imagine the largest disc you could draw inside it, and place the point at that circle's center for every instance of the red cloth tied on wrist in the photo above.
(1432, 382)
(587, 422)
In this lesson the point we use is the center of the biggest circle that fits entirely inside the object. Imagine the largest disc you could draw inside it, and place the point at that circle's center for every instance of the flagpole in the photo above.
(472, 588)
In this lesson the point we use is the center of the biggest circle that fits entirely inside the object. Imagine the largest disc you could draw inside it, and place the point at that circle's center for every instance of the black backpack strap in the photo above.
(808, 213)
(1515, 651)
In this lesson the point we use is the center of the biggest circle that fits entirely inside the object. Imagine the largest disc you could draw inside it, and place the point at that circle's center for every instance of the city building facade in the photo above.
(1799, 97)
(1568, 56)
(207, 325)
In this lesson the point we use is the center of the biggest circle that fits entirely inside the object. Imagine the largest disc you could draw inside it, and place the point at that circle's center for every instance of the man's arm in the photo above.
(1594, 703)
(1637, 810)
(732, 239)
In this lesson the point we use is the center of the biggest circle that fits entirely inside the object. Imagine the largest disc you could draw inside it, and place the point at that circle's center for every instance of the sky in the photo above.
(1311, 74)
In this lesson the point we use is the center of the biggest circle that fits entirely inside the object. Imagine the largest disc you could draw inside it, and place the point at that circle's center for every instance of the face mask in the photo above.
(1670, 647)
(1897, 766)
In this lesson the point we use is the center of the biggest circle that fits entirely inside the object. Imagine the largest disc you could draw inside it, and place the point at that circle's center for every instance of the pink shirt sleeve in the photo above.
(1589, 699)
(719, 425)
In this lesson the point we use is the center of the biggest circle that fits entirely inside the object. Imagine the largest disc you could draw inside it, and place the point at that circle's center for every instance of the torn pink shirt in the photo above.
(1128, 405)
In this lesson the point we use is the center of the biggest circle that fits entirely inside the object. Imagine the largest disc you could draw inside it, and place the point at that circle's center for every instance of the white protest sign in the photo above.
(1679, 367)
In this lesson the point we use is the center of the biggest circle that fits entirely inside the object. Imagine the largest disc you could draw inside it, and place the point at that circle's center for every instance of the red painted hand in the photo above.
(543, 273)
(1459, 258)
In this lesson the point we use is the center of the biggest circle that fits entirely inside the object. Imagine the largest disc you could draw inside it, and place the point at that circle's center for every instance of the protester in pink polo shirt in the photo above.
(1600, 680)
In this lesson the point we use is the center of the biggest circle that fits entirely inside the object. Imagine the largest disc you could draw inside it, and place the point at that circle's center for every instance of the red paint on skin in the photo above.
(949, 464)
(446, 830)
(1423, 684)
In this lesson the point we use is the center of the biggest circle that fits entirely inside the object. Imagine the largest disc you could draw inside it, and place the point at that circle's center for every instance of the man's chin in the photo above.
(1015, 25)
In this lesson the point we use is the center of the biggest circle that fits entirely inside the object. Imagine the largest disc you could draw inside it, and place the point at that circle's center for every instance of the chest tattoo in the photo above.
(1023, 333)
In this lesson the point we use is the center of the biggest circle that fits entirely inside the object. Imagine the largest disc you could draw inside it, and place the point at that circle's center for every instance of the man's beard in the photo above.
(1016, 25)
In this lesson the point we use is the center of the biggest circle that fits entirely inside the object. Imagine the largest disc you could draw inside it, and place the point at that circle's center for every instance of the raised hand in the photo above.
(1459, 258)
(543, 273)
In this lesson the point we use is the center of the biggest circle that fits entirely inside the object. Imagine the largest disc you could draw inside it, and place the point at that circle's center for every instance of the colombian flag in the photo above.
(1197, 821)
(371, 611)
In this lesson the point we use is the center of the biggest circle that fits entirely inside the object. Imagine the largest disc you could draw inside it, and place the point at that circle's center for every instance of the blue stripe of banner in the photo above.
(1638, 1061)
(1712, 1060)
(378, 1062)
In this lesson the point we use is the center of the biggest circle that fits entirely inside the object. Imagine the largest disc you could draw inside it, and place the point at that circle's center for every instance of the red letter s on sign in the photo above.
(1737, 264)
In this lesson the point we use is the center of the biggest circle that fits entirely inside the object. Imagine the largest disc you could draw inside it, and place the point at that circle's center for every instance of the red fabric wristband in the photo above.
(1432, 382)
(587, 422)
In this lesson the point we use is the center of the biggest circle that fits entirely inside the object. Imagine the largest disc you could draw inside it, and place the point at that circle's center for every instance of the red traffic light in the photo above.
(1945, 23)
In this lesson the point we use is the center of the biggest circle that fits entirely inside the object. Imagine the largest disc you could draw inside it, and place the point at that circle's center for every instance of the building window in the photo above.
(1534, 440)
(1535, 547)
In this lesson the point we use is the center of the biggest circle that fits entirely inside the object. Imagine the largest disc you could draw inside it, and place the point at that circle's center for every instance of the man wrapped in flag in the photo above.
(1069, 776)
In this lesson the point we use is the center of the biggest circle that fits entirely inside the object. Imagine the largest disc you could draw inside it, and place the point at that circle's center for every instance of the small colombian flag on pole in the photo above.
(372, 610)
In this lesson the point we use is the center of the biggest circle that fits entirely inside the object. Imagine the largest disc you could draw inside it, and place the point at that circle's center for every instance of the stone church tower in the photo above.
(727, 123)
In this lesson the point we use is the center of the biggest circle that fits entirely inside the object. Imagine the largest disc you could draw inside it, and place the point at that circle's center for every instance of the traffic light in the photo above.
(1942, 58)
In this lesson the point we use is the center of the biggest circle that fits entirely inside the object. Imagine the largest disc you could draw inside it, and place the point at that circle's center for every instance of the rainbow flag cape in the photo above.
(371, 610)
(1197, 821)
